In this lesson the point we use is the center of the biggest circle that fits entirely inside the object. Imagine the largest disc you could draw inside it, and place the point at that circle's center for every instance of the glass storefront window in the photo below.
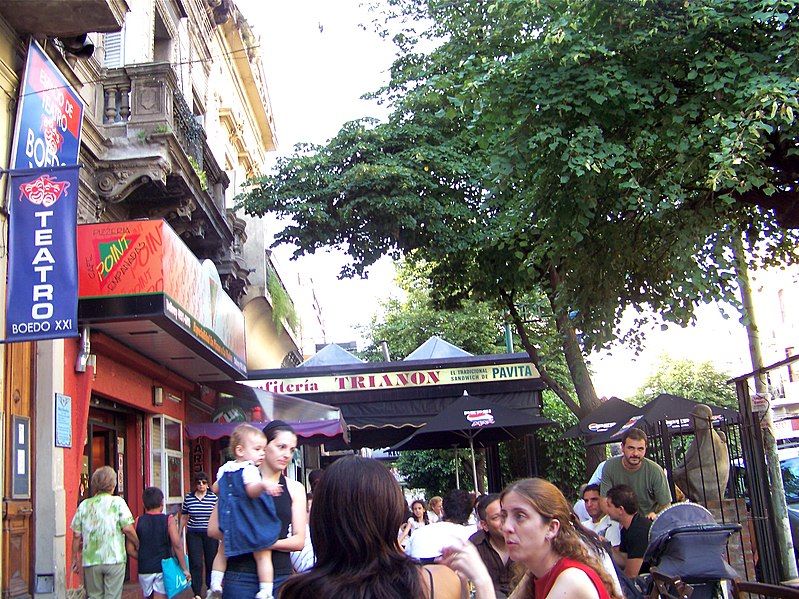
(175, 476)
(173, 435)
(157, 438)
(156, 471)
(167, 458)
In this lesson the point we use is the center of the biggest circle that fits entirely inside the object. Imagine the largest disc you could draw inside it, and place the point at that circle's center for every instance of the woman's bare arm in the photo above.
(296, 540)
(130, 532)
(404, 532)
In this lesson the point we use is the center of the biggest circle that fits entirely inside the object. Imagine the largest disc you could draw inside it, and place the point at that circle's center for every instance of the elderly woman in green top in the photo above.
(100, 526)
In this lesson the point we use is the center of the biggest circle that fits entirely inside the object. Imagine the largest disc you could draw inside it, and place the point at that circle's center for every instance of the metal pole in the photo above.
(530, 454)
(457, 476)
(757, 486)
(384, 351)
(778, 504)
(668, 458)
(508, 338)
(493, 470)
(474, 466)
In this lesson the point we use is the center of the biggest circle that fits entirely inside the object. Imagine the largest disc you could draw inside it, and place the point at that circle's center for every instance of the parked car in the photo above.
(789, 467)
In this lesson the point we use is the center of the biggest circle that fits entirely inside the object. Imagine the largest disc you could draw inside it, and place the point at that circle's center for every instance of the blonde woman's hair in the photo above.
(572, 539)
(104, 480)
(240, 434)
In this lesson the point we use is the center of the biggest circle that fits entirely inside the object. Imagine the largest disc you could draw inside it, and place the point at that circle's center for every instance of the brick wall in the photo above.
(741, 547)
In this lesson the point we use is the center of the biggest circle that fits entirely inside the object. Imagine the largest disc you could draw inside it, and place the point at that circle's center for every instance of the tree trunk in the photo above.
(581, 377)
(587, 399)
(480, 456)
(778, 502)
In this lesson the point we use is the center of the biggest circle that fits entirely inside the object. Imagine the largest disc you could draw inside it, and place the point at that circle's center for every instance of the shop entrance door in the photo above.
(105, 446)
(18, 478)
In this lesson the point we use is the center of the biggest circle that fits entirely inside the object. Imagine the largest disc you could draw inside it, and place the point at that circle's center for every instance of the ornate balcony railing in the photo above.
(189, 132)
(144, 102)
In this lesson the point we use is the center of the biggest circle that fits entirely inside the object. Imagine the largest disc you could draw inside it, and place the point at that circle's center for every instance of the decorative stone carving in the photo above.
(189, 229)
(174, 212)
(221, 12)
(115, 181)
(147, 100)
(185, 209)
(239, 227)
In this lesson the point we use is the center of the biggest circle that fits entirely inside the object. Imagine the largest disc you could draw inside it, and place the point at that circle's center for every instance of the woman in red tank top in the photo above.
(543, 535)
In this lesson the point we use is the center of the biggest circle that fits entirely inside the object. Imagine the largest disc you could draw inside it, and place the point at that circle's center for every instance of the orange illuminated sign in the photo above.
(148, 257)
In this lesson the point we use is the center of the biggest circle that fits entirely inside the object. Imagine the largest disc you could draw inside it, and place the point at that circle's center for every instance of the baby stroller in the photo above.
(686, 541)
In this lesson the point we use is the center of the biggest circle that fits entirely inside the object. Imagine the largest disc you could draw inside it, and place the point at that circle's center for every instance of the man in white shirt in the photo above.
(427, 542)
(579, 505)
(598, 521)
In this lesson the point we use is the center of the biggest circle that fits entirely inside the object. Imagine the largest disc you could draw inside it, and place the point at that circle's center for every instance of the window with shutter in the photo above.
(114, 50)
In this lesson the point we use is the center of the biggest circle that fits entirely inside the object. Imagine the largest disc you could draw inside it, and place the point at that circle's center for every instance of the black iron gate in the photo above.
(735, 500)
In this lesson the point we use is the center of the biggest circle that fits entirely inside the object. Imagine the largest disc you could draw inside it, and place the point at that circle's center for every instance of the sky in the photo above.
(318, 62)
(721, 341)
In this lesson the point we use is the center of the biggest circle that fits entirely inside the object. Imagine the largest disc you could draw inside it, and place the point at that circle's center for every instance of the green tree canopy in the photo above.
(699, 381)
(602, 153)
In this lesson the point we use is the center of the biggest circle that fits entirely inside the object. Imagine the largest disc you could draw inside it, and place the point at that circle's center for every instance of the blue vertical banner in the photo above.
(42, 293)
(42, 290)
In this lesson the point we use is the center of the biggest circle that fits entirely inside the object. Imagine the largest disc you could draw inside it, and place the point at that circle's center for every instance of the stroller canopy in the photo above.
(686, 541)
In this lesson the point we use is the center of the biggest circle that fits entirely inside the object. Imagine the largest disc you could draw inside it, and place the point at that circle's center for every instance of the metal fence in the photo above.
(733, 500)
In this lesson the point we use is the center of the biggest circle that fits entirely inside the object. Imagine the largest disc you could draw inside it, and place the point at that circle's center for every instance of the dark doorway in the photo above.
(105, 446)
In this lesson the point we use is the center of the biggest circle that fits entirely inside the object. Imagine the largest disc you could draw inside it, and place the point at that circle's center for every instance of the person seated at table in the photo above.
(622, 506)
(427, 542)
(490, 543)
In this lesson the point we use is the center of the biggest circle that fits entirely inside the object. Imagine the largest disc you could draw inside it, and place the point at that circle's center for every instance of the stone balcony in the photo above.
(158, 165)
(64, 18)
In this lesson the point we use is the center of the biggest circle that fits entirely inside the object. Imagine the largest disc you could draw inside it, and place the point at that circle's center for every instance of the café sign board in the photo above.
(137, 258)
(426, 377)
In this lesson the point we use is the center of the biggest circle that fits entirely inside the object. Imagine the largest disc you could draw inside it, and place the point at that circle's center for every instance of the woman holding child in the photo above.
(240, 578)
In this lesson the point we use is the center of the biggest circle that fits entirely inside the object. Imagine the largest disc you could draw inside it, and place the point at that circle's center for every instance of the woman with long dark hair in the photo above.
(357, 554)
(418, 519)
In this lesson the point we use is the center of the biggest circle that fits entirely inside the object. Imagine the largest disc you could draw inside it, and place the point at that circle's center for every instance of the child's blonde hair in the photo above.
(240, 434)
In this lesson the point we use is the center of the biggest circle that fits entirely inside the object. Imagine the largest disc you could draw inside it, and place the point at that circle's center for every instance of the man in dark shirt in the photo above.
(622, 506)
(490, 544)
